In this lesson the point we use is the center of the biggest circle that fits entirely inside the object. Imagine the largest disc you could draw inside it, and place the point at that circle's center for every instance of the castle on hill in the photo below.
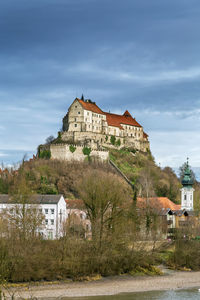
(86, 124)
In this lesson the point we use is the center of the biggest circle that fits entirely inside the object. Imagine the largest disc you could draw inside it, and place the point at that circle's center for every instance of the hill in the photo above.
(149, 179)
(47, 176)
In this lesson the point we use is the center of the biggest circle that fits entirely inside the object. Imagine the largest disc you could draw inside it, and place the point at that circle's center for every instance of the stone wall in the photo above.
(62, 152)
(98, 140)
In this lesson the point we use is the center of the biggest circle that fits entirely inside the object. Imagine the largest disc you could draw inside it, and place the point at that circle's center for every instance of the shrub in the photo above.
(45, 154)
(86, 151)
(118, 142)
(113, 139)
(72, 148)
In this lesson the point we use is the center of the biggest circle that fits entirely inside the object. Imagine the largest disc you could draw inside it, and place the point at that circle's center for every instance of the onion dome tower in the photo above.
(187, 190)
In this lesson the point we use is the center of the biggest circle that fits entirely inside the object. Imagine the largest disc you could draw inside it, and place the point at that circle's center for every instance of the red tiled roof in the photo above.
(91, 106)
(112, 119)
(158, 203)
(117, 120)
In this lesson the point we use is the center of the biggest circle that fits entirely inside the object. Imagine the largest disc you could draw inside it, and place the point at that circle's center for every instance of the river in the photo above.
(192, 294)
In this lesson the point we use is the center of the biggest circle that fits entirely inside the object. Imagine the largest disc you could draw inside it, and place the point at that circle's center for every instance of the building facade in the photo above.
(187, 190)
(52, 209)
(85, 123)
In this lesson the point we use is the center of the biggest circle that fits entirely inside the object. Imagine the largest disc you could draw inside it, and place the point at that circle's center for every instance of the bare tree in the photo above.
(103, 195)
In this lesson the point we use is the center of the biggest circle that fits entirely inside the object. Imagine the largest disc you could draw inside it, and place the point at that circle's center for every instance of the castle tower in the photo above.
(187, 190)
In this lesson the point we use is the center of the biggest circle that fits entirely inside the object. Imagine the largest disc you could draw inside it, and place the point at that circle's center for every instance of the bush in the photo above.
(86, 151)
(72, 148)
(118, 142)
(113, 140)
(45, 154)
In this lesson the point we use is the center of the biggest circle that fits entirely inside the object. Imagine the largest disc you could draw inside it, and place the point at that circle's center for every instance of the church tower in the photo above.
(187, 190)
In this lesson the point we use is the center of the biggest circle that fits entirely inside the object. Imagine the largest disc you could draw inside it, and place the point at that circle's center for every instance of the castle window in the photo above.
(75, 125)
(185, 197)
(88, 113)
(75, 106)
(75, 119)
(79, 112)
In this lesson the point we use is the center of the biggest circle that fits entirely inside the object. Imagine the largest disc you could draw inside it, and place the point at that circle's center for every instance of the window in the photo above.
(75, 119)
(46, 211)
(52, 211)
(46, 221)
(75, 125)
(185, 197)
(88, 113)
(75, 106)
(79, 112)
(52, 222)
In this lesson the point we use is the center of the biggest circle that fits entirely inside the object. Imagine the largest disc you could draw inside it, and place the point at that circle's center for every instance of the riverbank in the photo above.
(109, 286)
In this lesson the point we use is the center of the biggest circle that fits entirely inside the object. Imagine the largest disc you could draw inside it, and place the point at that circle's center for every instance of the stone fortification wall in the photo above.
(91, 139)
(99, 140)
(62, 152)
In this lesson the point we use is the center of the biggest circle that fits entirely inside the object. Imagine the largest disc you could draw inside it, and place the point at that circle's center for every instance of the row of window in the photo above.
(47, 211)
(132, 128)
(96, 115)
(51, 221)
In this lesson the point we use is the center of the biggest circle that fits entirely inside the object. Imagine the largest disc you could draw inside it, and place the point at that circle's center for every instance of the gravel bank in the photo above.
(111, 286)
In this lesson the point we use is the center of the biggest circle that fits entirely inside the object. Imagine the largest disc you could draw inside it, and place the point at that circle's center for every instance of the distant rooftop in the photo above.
(34, 199)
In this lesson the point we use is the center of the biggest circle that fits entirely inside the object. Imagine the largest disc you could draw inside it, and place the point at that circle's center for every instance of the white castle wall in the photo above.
(62, 152)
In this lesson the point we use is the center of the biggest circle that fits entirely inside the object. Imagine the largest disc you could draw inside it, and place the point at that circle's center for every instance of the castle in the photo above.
(86, 123)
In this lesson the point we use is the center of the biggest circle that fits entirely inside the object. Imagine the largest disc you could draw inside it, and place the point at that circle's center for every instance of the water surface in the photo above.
(192, 294)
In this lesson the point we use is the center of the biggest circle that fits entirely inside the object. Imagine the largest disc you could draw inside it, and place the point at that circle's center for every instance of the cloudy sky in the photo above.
(139, 55)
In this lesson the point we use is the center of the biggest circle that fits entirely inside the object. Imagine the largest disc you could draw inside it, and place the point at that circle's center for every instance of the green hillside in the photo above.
(46, 176)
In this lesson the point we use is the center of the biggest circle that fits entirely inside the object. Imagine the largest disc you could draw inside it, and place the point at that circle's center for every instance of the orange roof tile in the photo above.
(117, 120)
(158, 202)
(112, 119)
(91, 106)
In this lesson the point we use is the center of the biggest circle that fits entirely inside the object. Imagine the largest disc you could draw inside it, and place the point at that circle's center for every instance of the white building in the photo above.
(52, 207)
(187, 190)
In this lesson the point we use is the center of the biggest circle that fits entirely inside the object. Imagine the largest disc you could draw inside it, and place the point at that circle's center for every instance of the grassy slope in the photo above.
(141, 167)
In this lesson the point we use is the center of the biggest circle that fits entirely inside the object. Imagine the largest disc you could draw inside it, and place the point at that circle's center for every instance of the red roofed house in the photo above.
(86, 123)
